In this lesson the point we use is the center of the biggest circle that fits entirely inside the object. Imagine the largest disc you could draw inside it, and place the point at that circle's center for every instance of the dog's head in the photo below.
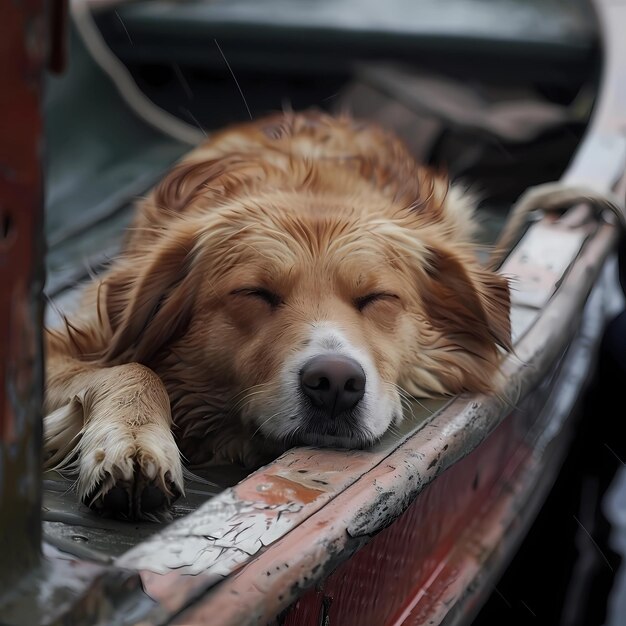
(308, 315)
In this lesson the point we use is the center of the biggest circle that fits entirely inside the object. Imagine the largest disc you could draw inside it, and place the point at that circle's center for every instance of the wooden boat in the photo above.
(413, 531)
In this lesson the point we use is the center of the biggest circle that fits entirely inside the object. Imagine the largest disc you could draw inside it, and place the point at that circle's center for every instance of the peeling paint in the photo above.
(222, 535)
(278, 489)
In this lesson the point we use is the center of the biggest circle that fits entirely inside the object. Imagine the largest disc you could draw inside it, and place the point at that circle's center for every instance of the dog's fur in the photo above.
(297, 235)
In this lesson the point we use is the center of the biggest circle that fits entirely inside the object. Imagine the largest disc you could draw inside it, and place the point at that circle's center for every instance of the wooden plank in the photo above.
(22, 56)
(227, 531)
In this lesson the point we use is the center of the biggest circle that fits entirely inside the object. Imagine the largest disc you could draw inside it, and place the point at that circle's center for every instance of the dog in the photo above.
(286, 283)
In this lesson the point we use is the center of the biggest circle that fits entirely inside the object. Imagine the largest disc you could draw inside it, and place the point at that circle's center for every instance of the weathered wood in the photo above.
(23, 48)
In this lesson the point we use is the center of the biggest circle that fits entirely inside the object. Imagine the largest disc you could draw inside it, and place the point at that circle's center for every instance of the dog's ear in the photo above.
(464, 300)
(185, 182)
(148, 299)
(207, 178)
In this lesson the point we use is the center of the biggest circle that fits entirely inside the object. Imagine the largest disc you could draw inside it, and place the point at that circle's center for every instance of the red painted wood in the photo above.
(23, 48)
(22, 53)
(406, 558)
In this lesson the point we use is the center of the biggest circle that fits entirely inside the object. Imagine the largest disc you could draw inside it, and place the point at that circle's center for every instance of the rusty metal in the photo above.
(23, 48)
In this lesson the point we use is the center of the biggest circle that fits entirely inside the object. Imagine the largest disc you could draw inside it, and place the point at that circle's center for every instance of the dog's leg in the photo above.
(113, 426)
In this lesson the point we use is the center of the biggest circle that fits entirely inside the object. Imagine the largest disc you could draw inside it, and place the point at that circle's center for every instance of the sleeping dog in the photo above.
(284, 284)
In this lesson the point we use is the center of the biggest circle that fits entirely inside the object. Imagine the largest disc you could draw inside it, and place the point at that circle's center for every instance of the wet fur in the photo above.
(321, 211)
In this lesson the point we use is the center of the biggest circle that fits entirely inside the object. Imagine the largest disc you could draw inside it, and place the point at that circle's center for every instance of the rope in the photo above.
(122, 79)
(553, 197)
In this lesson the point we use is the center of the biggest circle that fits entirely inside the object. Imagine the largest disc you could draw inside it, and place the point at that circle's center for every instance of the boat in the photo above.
(417, 529)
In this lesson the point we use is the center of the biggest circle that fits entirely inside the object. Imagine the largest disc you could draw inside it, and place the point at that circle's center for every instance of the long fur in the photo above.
(319, 212)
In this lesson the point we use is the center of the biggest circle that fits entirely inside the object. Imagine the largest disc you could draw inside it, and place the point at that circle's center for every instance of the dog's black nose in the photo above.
(334, 383)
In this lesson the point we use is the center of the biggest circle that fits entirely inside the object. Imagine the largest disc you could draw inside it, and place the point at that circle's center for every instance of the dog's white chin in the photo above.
(354, 441)
(299, 427)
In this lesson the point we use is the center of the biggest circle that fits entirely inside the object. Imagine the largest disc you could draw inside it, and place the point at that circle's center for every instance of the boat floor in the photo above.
(72, 526)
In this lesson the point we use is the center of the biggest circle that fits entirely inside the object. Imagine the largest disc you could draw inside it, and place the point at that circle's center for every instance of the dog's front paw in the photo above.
(137, 478)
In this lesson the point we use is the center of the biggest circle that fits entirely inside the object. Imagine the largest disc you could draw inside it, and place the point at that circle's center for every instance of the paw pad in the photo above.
(138, 499)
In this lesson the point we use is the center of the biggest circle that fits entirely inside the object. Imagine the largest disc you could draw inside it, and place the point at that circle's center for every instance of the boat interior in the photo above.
(497, 94)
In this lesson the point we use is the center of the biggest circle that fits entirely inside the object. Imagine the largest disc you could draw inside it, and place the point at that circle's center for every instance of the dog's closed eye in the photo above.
(364, 301)
(271, 298)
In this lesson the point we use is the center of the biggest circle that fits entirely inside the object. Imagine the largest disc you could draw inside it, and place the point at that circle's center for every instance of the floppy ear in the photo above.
(186, 181)
(148, 299)
(207, 178)
(464, 300)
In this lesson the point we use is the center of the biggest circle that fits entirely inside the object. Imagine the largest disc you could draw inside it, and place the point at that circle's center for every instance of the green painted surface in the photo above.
(99, 158)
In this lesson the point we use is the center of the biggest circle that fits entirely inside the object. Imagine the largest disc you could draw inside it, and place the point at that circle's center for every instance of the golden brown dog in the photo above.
(284, 284)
